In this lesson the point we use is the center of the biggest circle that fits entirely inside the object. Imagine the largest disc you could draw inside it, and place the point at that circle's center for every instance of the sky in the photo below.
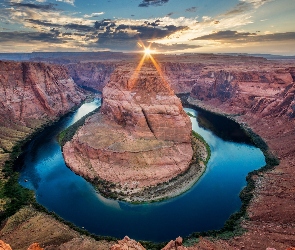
(168, 26)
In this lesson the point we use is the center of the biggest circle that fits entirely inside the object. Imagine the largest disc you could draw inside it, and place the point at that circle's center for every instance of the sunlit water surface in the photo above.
(206, 206)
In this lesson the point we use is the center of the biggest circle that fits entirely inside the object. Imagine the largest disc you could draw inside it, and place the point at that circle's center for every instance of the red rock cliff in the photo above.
(30, 95)
(140, 139)
(263, 92)
(92, 74)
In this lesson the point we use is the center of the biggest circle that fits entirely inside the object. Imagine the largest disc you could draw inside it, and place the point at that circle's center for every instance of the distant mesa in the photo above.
(140, 138)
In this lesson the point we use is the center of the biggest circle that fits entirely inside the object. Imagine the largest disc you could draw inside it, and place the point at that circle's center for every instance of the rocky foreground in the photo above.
(141, 137)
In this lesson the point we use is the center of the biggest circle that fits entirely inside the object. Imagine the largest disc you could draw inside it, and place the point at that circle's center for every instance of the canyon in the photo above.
(253, 91)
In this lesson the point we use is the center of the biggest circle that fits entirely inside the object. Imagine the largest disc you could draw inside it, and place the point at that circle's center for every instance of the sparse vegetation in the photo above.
(232, 226)
(12, 192)
(152, 245)
(190, 114)
(199, 137)
(67, 134)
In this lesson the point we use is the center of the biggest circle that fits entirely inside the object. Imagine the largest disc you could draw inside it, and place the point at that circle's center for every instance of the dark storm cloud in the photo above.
(150, 30)
(29, 37)
(147, 3)
(191, 9)
(78, 27)
(42, 23)
(121, 38)
(72, 26)
(170, 14)
(104, 23)
(235, 37)
(43, 7)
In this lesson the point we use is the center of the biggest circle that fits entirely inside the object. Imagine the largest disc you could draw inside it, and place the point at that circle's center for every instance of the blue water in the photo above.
(206, 206)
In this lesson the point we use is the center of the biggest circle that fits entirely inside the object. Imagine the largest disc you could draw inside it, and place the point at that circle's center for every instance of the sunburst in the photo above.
(147, 55)
(147, 51)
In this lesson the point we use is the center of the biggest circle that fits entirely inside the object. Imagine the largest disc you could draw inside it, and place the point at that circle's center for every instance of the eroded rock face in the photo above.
(32, 94)
(264, 92)
(147, 107)
(92, 74)
(36, 91)
(175, 245)
(140, 138)
(35, 246)
(127, 243)
(4, 246)
(264, 100)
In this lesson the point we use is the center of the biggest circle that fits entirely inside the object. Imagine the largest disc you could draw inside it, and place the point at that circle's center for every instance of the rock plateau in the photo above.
(141, 137)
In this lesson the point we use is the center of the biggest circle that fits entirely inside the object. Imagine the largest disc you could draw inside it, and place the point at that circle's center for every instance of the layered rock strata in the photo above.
(263, 92)
(94, 75)
(141, 138)
(32, 94)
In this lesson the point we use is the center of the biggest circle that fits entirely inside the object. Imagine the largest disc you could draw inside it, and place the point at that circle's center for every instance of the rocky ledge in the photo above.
(140, 139)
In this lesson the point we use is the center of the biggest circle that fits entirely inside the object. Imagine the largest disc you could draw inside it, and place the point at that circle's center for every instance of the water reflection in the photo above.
(85, 109)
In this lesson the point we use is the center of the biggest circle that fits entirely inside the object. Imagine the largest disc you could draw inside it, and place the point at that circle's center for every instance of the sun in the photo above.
(147, 51)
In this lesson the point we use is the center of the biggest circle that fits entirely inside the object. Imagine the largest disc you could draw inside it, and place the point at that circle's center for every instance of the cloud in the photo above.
(78, 27)
(94, 15)
(191, 9)
(43, 7)
(144, 32)
(147, 3)
(104, 24)
(115, 34)
(72, 26)
(42, 23)
(29, 37)
(240, 8)
(71, 2)
(245, 6)
(173, 47)
(68, 30)
(230, 36)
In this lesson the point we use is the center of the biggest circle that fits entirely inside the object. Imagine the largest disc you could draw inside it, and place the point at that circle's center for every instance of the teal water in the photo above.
(206, 206)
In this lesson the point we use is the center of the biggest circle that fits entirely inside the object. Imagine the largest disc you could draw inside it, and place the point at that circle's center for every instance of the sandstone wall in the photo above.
(92, 74)
(265, 92)
(30, 95)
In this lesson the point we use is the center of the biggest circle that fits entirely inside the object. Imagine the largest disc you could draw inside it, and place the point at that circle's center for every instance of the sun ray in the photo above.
(135, 74)
(159, 70)
(147, 55)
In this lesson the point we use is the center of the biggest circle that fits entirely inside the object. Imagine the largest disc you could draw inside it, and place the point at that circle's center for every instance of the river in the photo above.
(206, 206)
